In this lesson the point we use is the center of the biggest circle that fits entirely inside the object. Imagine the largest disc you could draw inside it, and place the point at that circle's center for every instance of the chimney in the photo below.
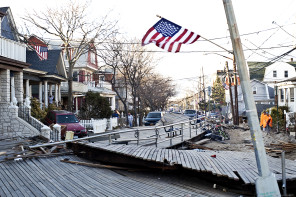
(291, 59)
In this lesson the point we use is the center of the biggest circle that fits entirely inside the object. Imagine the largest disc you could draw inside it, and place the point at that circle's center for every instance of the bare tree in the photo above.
(136, 64)
(111, 56)
(130, 63)
(76, 31)
(156, 91)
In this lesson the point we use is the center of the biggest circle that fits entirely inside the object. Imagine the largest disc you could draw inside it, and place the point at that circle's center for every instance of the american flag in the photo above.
(169, 36)
(41, 52)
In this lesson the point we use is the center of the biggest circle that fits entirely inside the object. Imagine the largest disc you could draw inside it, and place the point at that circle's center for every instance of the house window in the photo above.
(75, 76)
(282, 95)
(286, 73)
(254, 90)
(92, 58)
(292, 94)
(274, 73)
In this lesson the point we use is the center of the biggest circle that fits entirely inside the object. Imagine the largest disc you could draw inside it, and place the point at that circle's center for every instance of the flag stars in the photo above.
(167, 29)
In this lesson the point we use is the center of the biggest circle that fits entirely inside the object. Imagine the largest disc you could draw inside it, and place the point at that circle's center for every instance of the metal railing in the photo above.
(137, 134)
(24, 113)
(55, 135)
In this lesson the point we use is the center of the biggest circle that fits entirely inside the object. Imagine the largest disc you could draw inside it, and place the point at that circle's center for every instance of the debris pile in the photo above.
(18, 148)
(240, 140)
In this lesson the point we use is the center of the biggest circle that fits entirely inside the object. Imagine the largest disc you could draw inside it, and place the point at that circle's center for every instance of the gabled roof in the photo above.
(257, 73)
(3, 9)
(8, 27)
(49, 65)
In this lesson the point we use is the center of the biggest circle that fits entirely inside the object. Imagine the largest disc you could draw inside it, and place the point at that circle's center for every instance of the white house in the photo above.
(286, 91)
(277, 72)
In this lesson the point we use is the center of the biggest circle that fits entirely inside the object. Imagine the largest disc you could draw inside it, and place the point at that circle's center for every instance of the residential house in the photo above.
(263, 97)
(286, 93)
(84, 80)
(278, 71)
(43, 78)
(12, 64)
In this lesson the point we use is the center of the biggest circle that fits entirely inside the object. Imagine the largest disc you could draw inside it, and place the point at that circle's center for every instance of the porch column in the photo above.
(13, 100)
(56, 98)
(31, 95)
(45, 94)
(27, 100)
(294, 100)
(5, 86)
(50, 89)
(19, 86)
(40, 94)
(113, 102)
(76, 106)
(59, 93)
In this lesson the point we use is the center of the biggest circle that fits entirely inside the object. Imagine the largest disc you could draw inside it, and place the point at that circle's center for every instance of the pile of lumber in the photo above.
(277, 148)
(284, 146)
(12, 149)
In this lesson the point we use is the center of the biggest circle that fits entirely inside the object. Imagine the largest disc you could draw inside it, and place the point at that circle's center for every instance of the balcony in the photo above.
(13, 50)
(76, 87)
(105, 84)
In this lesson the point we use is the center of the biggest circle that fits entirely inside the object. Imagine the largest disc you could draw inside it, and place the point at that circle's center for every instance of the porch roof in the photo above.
(49, 65)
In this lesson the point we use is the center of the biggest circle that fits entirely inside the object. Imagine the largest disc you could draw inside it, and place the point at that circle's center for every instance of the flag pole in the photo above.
(231, 52)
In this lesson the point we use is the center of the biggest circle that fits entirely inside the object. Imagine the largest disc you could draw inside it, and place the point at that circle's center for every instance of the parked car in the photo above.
(191, 113)
(152, 118)
(66, 118)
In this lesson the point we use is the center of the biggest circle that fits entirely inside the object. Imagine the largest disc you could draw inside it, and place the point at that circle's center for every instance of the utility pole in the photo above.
(266, 184)
(199, 91)
(204, 90)
(230, 91)
(277, 107)
(236, 122)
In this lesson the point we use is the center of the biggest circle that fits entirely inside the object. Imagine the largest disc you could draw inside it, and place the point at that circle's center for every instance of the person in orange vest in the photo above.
(262, 120)
(268, 122)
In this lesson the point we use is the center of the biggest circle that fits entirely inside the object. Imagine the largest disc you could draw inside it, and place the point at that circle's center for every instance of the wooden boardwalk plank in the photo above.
(30, 182)
(204, 163)
(159, 155)
(150, 151)
(183, 161)
(149, 157)
(58, 170)
(197, 162)
(178, 158)
(141, 149)
(192, 161)
(145, 153)
(155, 154)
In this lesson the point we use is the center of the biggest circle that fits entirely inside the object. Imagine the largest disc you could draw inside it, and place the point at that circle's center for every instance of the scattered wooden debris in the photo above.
(276, 149)
(197, 145)
(202, 141)
(285, 146)
(36, 155)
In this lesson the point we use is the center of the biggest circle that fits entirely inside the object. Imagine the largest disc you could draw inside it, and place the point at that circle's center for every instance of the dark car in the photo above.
(152, 118)
(191, 113)
(66, 118)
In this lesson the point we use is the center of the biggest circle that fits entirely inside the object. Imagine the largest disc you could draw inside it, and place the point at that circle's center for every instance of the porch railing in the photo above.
(12, 49)
(24, 113)
(188, 126)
